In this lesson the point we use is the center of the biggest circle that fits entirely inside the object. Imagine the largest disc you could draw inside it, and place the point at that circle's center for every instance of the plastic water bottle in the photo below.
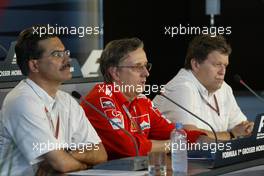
(179, 159)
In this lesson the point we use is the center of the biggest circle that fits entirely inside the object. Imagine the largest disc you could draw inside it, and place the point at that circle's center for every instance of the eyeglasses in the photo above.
(138, 68)
(60, 54)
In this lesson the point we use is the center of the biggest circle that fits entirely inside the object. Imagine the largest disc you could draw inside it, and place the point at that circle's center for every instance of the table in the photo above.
(204, 168)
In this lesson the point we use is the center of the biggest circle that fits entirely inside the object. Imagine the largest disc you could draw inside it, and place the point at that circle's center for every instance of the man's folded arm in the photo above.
(220, 135)
(91, 157)
(239, 130)
(160, 146)
(62, 161)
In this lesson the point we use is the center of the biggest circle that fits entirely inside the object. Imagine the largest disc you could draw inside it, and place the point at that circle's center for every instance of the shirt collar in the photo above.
(42, 94)
(118, 94)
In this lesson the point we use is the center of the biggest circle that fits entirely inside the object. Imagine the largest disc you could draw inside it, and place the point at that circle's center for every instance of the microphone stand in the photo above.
(239, 79)
(128, 163)
(216, 141)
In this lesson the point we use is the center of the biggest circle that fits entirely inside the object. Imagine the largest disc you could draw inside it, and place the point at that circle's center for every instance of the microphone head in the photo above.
(76, 95)
(237, 78)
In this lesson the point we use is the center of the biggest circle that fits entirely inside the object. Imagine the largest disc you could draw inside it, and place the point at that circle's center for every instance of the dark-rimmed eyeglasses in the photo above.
(138, 68)
(60, 54)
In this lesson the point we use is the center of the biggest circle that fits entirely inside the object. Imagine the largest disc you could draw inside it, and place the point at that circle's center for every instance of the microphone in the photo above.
(239, 79)
(180, 106)
(128, 163)
(78, 96)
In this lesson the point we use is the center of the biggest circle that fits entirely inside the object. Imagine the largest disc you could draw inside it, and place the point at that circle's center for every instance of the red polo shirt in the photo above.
(139, 117)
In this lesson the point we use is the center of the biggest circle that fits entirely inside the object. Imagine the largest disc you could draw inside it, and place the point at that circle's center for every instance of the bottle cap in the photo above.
(178, 125)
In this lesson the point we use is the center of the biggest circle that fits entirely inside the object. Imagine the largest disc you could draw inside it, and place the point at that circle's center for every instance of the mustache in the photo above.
(65, 66)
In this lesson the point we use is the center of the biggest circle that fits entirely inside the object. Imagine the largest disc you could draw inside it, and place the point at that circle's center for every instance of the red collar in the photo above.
(119, 96)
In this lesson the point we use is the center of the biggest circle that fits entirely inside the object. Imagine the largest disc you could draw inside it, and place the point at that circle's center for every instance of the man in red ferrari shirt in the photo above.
(125, 67)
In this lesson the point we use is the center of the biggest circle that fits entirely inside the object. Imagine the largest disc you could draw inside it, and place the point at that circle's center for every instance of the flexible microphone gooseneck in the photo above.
(239, 79)
(128, 163)
(180, 106)
(78, 96)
